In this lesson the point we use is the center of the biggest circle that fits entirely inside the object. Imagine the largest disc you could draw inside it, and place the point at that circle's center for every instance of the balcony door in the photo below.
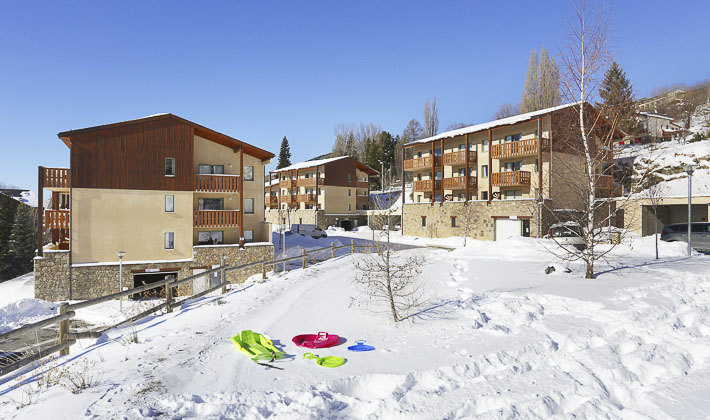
(513, 166)
(210, 204)
(210, 169)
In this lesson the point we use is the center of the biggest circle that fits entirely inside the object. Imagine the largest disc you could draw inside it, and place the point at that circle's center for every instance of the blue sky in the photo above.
(259, 71)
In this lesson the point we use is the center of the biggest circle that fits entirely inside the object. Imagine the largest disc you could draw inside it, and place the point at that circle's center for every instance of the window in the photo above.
(169, 166)
(209, 238)
(419, 154)
(419, 199)
(484, 195)
(210, 169)
(309, 206)
(248, 173)
(512, 138)
(350, 177)
(485, 145)
(462, 147)
(309, 190)
(169, 240)
(437, 175)
(348, 207)
(320, 192)
(513, 166)
(169, 203)
(462, 196)
(423, 221)
(437, 152)
(462, 172)
(537, 165)
(437, 198)
(248, 206)
(511, 194)
(349, 192)
(248, 236)
(484, 171)
(210, 204)
(419, 177)
(453, 221)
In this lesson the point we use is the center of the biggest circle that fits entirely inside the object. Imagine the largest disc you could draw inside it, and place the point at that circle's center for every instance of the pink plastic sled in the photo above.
(313, 341)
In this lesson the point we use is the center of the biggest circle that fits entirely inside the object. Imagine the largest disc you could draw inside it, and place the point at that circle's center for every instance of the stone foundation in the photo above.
(54, 280)
(482, 226)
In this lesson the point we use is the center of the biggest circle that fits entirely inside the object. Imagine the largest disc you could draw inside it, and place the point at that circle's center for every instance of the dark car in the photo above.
(699, 234)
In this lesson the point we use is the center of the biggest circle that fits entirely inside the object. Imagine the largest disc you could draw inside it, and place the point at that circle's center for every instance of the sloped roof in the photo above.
(200, 130)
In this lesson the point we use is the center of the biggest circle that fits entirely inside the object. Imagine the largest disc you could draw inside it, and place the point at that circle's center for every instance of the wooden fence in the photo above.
(68, 311)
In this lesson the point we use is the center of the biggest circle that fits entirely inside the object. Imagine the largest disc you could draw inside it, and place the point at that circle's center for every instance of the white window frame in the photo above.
(171, 236)
(171, 199)
(248, 236)
(165, 168)
(248, 200)
(246, 176)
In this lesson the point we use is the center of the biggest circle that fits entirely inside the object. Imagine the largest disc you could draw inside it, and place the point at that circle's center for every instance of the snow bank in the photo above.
(25, 311)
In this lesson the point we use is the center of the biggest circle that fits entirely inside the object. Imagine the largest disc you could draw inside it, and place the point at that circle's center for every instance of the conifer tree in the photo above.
(8, 207)
(284, 154)
(22, 241)
(617, 97)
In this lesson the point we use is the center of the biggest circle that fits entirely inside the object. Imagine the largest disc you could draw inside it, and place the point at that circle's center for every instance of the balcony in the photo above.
(459, 182)
(510, 179)
(604, 182)
(287, 198)
(425, 162)
(362, 184)
(287, 183)
(56, 219)
(306, 182)
(273, 201)
(362, 199)
(55, 179)
(217, 183)
(459, 157)
(306, 198)
(518, 148)
(426, 185)
(216, 218)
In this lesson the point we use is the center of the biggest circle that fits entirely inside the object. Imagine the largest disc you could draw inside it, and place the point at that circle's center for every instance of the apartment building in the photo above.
(325, 192)
(501, 168)
(174, 196)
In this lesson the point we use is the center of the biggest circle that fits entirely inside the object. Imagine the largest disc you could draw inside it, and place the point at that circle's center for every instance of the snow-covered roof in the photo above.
(271, 183)
(309, 164)
(23, 196)
(648, 114)
(492, 124)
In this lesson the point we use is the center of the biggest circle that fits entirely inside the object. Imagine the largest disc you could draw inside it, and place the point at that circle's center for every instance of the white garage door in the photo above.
(505, 228)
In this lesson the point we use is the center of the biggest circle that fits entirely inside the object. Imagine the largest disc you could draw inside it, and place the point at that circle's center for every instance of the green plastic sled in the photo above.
(327, 361)
(256, 346)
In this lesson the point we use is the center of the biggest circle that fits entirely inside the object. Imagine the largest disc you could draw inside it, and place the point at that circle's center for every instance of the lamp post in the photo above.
(689, 169)
(121, 254)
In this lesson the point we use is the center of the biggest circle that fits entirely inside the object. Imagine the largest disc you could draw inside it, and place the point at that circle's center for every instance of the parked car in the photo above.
(394, 228)
(699, 234)
(567, 234)
(304, 229)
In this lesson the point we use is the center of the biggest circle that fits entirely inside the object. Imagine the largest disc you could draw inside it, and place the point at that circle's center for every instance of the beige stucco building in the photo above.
(166, 191)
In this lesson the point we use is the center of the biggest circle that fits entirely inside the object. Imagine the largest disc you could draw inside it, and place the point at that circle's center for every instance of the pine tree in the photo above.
(542, 83)
(8, 208)
(617, 97)
(22, 241)
(284, 154)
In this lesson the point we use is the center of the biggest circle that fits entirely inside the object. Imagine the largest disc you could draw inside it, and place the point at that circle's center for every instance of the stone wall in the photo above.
(52, 275)
(88, 281)
(438, 218)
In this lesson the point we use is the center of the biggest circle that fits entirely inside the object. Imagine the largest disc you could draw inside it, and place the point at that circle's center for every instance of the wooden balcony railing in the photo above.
(459, 182)
(362, 184)
(217, 183)
(216, 218)
(56, 178)
(362, 199)
(459, 157)
(287, 183)
(306, 182)
(56, 219)
(421, 163)
(273, 201)
(510, 179)
(286, 198)
(306, 198)
(426, 185)
(518, 148)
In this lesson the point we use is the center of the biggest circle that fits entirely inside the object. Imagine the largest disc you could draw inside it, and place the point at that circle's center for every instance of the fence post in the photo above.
(263, 271)
(332, 250)
(379, 252)
(222, 276)
(303, 259)
(352, 246)
(63, 329)
(207, 282)
(169, 295)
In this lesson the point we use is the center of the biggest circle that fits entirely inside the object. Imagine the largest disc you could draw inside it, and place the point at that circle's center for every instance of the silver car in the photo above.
(699, 234)
(567, 234)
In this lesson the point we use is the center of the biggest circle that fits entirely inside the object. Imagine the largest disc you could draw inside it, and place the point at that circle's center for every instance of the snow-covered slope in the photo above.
(498, 339)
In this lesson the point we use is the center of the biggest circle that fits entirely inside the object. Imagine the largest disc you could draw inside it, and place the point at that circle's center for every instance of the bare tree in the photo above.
(467, 212)
(380, 276)
(655, 194)
(506, 110)
(431, 118)
(456, 126)
(412, 132)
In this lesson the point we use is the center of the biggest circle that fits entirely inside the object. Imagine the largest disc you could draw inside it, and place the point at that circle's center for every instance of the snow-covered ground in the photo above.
(497, 339)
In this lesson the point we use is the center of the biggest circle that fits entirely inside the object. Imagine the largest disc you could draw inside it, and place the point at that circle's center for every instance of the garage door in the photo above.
(505, 228)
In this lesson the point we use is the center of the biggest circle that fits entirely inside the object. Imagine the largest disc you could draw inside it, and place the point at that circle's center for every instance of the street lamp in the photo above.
(689, 169)
(121, 254)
